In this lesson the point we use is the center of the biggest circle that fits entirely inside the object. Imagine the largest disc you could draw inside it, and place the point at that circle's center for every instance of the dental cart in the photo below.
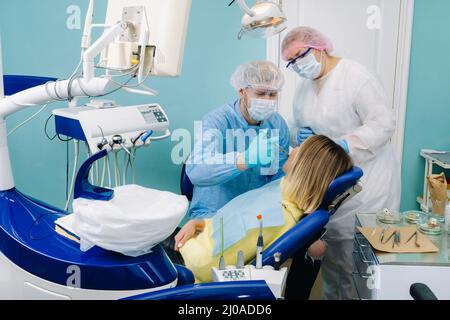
(388, 276)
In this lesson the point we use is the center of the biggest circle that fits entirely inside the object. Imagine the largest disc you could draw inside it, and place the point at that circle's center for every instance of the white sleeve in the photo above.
(377, 122)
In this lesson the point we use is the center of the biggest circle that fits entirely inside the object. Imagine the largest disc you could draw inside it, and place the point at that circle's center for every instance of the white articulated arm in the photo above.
(97, 47)
(47, 93)
(54, 91)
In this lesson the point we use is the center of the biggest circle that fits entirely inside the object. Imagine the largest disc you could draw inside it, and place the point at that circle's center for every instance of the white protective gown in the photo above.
(349, 103)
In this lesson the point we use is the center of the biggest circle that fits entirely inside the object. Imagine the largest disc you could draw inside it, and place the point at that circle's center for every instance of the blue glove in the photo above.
(261, 152)
(344, 144)
(303, 134)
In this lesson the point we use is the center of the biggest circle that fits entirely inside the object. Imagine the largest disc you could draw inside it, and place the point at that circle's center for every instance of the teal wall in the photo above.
(428, 111)
(37, 42)
(212, 53)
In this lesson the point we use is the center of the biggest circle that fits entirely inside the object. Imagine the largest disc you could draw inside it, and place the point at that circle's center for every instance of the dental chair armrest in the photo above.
(185, 276)
(305, 232)
(238, 290)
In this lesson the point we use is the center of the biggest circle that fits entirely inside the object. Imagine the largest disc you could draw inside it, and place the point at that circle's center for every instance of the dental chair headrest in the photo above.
(340, 185)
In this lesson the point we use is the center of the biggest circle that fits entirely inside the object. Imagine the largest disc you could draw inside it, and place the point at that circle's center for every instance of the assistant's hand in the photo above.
(188, 232)
(317, 249)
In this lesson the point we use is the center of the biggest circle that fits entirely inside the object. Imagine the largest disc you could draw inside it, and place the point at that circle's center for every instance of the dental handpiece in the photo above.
(147, 135)
(117, 139)
(259, 245)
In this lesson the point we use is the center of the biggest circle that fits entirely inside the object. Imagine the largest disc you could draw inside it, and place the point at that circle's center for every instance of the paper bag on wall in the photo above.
(438, 192)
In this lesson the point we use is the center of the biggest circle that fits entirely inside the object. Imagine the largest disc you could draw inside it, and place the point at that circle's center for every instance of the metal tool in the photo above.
(382, 234)
(389, 239)
(415, 234)
(396, 239)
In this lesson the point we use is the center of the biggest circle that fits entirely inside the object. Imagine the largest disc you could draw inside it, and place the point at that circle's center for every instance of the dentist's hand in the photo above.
(262, 151)
(303, 134)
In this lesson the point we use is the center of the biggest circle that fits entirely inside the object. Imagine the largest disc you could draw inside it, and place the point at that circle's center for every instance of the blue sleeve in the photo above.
(208, 165)
(285, 144)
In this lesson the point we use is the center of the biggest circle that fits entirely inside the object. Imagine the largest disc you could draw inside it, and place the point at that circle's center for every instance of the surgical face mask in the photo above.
(308, 67)
(262, 109)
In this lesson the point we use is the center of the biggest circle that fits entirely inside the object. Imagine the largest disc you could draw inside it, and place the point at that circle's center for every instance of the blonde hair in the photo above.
(311, 170)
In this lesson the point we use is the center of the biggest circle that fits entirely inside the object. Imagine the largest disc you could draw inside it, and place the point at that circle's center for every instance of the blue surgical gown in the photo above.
(216, 184)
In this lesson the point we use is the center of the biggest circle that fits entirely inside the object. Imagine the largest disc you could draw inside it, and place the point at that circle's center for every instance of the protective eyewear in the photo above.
(293, 61)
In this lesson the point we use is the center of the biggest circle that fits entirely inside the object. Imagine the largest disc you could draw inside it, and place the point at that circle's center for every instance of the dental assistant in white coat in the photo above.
(341, 99)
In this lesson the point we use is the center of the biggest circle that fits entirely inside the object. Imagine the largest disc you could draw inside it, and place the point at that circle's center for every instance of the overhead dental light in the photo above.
(263, 20)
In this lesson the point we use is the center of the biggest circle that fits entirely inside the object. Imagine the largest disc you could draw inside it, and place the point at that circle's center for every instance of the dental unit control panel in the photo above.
(275, 279)
(99, 125)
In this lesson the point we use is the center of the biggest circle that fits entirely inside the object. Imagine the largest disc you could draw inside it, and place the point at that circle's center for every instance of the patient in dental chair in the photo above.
(309, 171)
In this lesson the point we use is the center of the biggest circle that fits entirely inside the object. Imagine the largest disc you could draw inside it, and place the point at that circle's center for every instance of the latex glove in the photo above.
(344, 144)
(262, 151)
(303, 134)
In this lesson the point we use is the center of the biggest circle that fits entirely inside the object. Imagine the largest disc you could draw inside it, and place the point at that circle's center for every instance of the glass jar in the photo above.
(389, 217)
(430, 225)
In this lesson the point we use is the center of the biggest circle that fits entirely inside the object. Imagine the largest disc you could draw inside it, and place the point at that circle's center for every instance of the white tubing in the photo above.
(109, 171)
(27, 120)
(125, 168)
(105, 163)
(116, 169)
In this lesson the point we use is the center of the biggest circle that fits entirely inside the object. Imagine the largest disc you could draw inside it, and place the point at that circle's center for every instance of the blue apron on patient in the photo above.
(239, 215)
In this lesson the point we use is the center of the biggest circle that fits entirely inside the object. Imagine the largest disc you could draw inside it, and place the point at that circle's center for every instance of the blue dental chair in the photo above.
(306, 231)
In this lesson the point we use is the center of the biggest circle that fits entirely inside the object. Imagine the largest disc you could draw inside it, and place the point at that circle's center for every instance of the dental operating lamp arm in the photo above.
(95, 49)
(243, 5)
(86, 39)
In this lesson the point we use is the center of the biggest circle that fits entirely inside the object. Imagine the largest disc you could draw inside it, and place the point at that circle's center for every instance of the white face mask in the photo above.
(262, 109)
(308, 67)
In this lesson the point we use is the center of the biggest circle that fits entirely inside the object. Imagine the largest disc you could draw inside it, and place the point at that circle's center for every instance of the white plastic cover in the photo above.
(132, 223)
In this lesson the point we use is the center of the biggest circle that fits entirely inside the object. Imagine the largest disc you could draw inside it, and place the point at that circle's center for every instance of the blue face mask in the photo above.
(308, 67)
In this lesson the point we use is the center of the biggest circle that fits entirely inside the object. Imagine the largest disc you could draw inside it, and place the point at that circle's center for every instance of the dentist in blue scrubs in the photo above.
(243, 143)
